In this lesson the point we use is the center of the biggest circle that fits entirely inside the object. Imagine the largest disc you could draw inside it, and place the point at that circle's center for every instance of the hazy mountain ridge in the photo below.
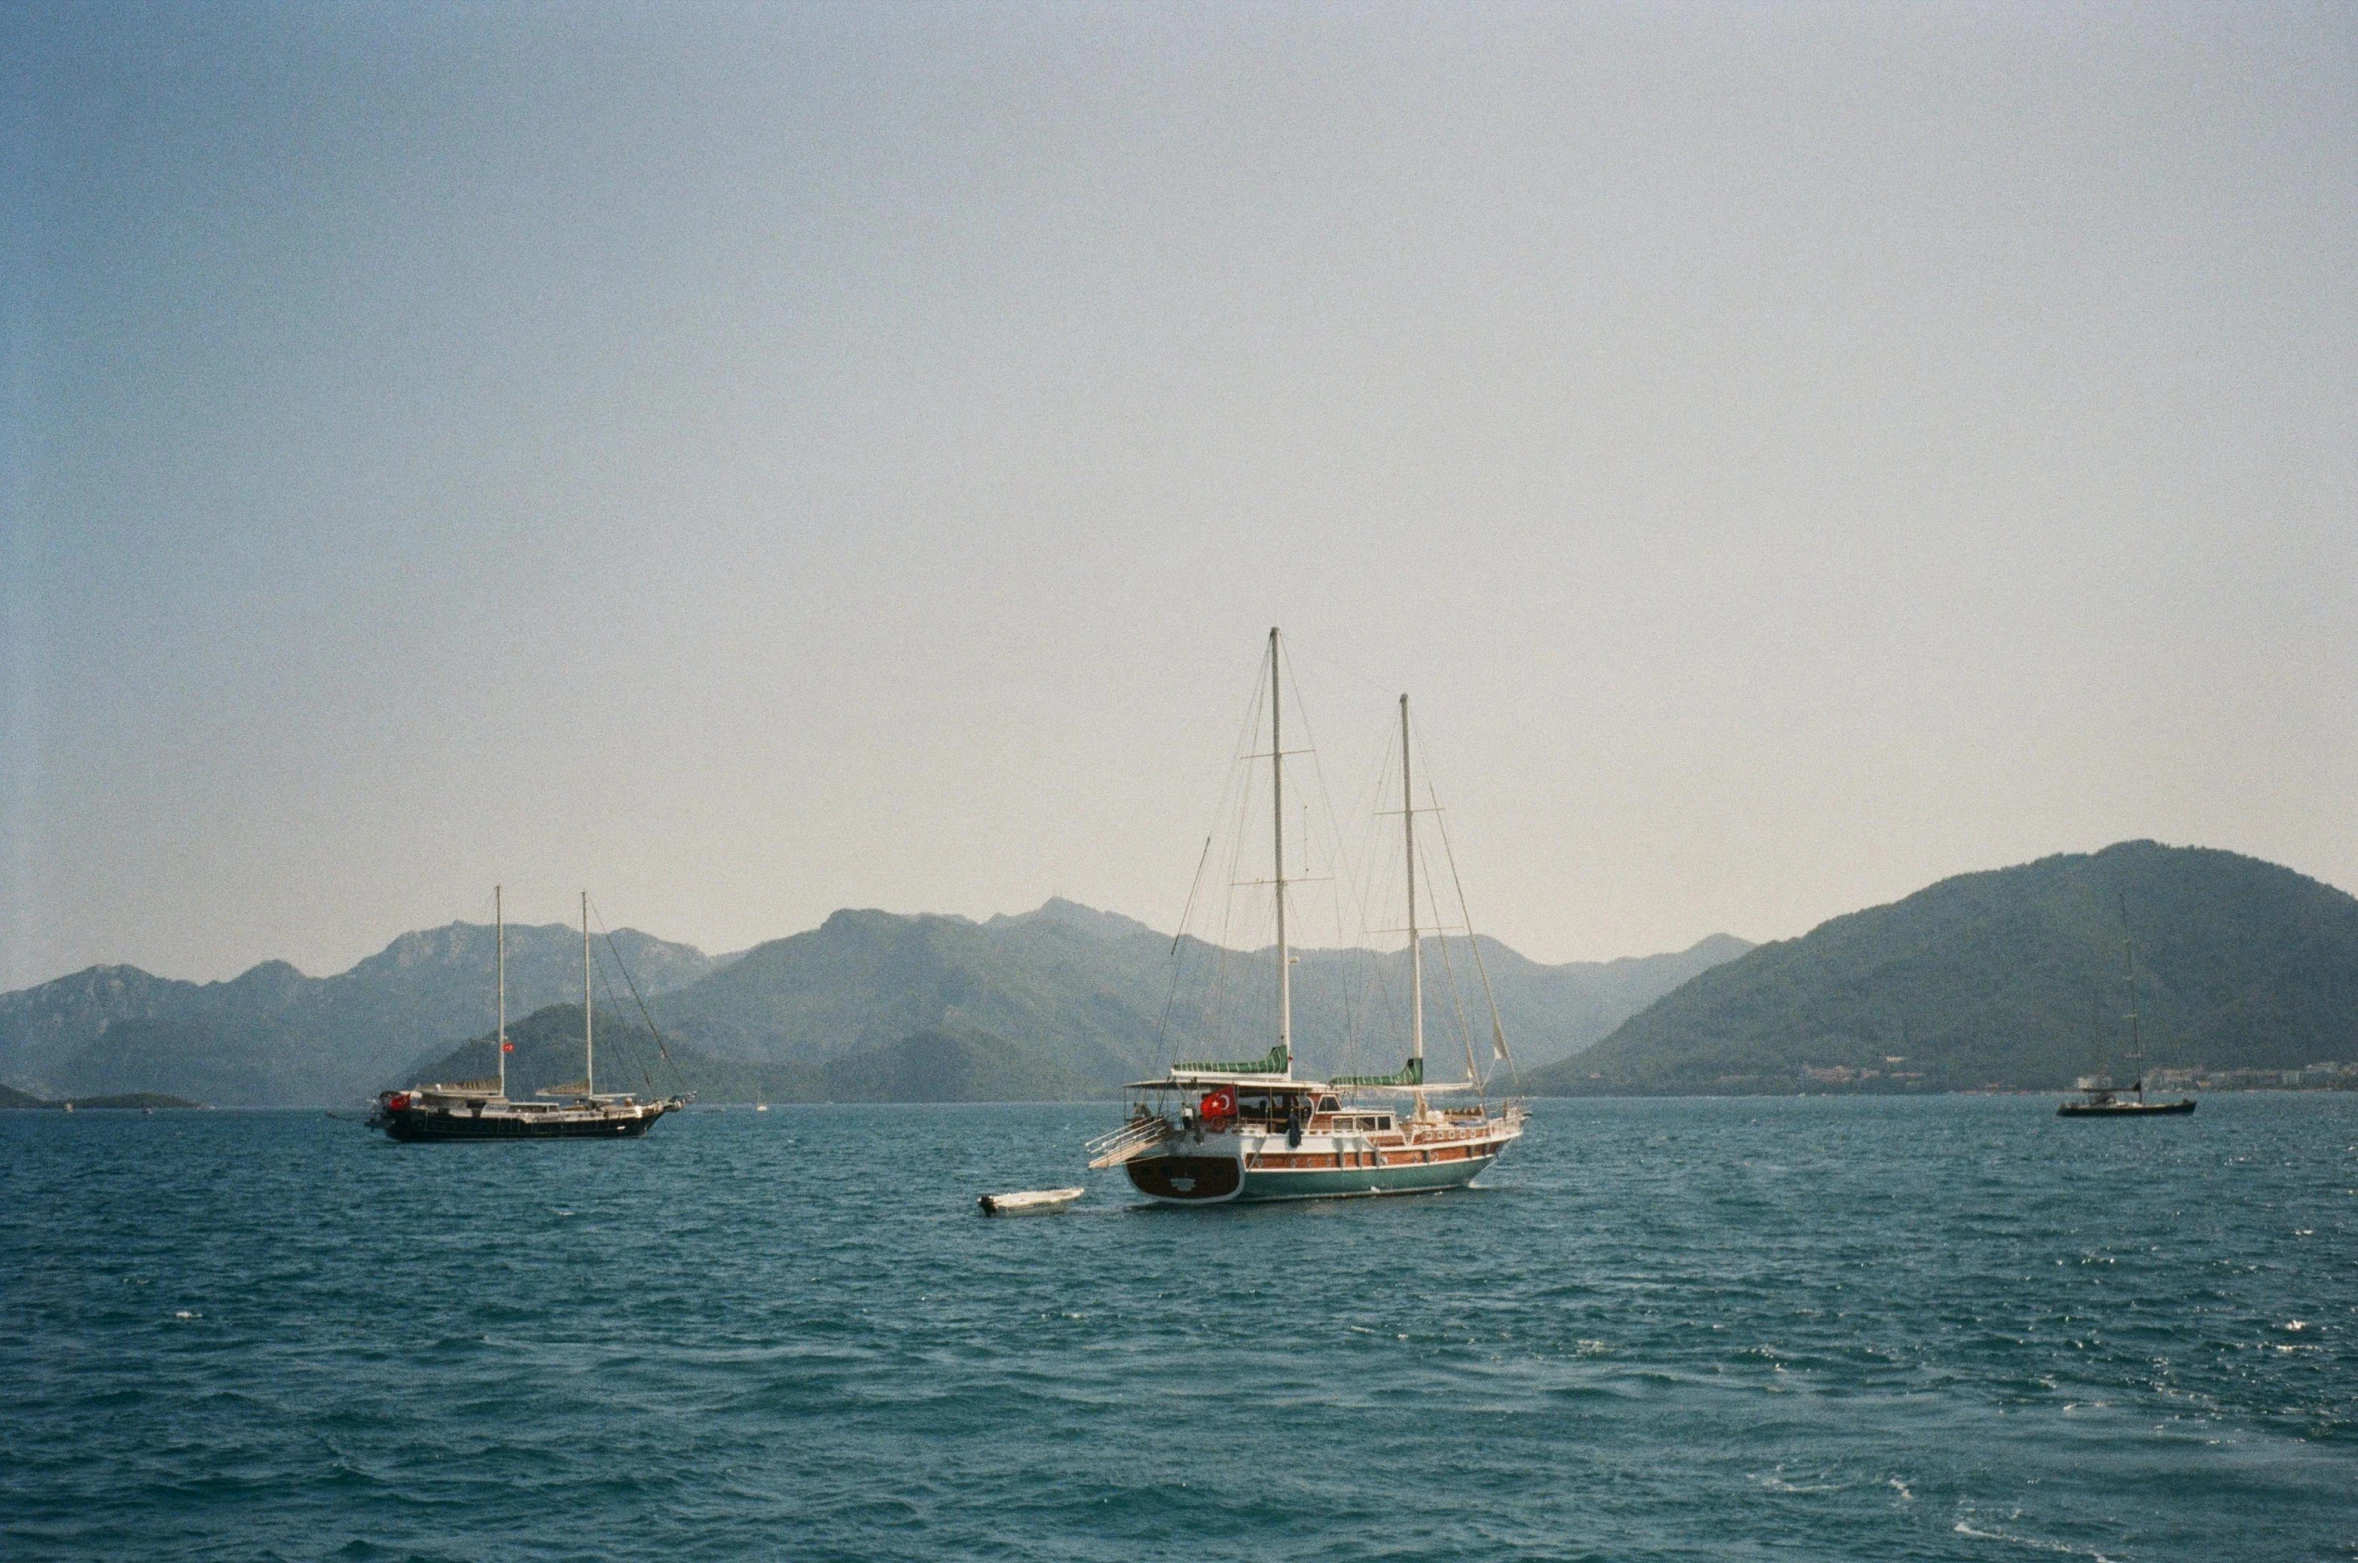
(1094, 991)
(1077, 990)
(1063, 999)
(272, 1035)
(2013, 977)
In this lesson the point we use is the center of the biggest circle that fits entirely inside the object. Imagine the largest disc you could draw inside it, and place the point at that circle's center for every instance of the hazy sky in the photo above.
(755, 461)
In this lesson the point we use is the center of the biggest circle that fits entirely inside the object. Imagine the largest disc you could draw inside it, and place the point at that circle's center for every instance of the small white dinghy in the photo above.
(1031, 1202)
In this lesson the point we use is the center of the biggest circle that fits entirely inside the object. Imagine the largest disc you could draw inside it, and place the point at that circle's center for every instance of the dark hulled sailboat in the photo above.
(2100, 1098)
(481, 1109)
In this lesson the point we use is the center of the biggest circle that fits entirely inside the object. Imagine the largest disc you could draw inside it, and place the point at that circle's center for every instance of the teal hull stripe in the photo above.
(1335, 1182)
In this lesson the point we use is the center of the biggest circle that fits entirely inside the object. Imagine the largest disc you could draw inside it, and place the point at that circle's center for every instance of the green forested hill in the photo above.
(548, 1053)
(934, 1065)
(2013, 978)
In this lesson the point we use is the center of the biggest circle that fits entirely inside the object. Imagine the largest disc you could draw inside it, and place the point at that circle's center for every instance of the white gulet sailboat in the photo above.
(481, 1110)
(1245, 1132)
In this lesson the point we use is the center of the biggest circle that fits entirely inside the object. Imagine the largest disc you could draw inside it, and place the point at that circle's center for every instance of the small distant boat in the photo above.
(1031, 1202)
(2105, 1104)
(481, 1109)
(2099, 1097)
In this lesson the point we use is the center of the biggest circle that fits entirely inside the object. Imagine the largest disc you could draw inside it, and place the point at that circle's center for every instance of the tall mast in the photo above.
(2129, 979)
(1285, 967)
(499, 916)
(589, 1050)
(1416, 950)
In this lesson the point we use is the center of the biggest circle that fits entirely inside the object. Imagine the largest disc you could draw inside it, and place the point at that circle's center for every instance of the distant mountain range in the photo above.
(2012, 978)
(2009, 978)
(1092, 994)
(276, 1037)
(1063, 1001)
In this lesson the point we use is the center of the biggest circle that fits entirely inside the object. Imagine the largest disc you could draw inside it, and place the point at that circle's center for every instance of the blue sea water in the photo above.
(1811, 1328)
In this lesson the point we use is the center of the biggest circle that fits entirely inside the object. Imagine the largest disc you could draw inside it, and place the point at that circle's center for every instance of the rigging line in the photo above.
(1449, 974)
(1363, 970)
(1372, 845)
(1375, 852)
(1338, 977)
(1234, 772)
(614, 1001)
(1220, 1017)
(1317, 770)
(1355, 972)
(1334, 975)
(1386, 849)
(645, 1014)
(1162, 1030)
(1193, 886)
(1342, 873)
(1497, 1027)
(1241, 771)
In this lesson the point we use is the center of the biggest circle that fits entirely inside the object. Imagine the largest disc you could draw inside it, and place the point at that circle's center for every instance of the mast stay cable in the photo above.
(679, 1075)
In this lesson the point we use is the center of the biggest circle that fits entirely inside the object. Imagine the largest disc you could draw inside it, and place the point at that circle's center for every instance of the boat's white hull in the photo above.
(1247, 1168)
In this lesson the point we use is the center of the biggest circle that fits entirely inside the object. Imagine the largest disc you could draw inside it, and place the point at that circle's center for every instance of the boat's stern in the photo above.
(1195, 1175)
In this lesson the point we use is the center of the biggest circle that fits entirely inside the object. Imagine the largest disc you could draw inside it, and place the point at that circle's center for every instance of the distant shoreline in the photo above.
(12, 1100)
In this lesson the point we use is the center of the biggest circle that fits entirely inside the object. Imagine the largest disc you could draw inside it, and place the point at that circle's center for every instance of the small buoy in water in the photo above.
(1032, 1202)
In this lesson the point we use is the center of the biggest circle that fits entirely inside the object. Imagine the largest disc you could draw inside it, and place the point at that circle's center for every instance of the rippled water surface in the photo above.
(1947, 1328)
